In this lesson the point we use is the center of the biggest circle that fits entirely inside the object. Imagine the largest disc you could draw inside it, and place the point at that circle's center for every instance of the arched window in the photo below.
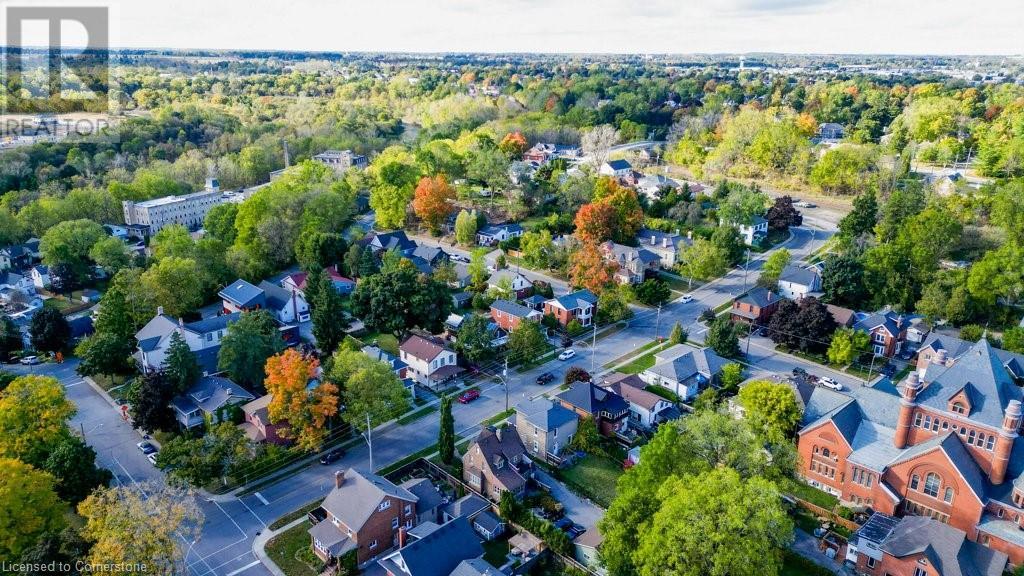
(824, 452)
(914, 481)
(958, 408)
(970, 437)
(947, 495)
(931, 484)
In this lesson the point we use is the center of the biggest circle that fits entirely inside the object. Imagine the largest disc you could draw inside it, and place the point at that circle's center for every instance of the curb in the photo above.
(259, 544)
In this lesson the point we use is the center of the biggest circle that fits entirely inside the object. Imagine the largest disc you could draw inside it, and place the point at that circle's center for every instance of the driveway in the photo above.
(578, 509)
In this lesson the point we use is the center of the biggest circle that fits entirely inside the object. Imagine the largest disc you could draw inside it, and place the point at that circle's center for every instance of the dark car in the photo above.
(566, 341)
(468, 396)
(545, 378)
(563, 523)
(799, 371)
(332, 456)
(575, 530)
(146, 448)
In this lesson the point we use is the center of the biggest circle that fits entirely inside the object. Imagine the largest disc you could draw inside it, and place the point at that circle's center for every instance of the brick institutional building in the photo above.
(943, 443)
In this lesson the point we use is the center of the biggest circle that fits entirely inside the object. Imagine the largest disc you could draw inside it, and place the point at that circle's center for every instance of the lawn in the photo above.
(291, 551)
(594, 477)
(794, 564)
(496, 551)
(643, 362)
(632, 354)
(386, 342)
(809, 493)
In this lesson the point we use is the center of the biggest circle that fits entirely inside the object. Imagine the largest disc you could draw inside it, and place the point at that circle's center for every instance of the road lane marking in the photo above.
(243, 568)
(258, 497)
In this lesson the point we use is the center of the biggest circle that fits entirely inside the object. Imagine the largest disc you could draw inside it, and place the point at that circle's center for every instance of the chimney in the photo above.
(160, 310)
(940, 357)
(401, 537)
(664, 242)
(769, 296)
(181, 322)
(339, 478)
(497, 432)
(653, 240)
(1004, 442)
(689, 234)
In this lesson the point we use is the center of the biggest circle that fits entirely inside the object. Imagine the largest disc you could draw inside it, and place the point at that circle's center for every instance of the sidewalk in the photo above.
(259, 544)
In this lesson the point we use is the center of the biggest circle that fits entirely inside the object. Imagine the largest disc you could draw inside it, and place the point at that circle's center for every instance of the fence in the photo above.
(832, 516)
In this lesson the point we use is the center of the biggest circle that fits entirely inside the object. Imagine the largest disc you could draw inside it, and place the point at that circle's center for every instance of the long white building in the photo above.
(189, 210)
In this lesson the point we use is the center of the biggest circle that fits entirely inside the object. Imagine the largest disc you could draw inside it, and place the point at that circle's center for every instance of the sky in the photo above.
(573, 26)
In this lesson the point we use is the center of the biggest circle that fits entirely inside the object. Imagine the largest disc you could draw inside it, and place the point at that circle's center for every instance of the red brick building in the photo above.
(580, 306)
(755, 307)
(508, 315)
(942, 444)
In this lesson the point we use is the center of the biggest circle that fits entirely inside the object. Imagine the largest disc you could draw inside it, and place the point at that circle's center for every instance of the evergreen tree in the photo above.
(328, 316)
(180, 366)
(678, 335)
(10, 338)
(446, 435)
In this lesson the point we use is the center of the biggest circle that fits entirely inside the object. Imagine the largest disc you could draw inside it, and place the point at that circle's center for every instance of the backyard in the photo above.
(594, 477)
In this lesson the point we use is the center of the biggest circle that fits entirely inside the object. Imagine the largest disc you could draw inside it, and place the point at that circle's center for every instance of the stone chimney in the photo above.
(160, 310)
(339, 478)
(1004, 442)
(907, 405)
(940, 357)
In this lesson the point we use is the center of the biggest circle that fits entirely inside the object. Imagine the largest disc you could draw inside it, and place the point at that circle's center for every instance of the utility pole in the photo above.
(745, 266)
(504, 381)
(657, 325)
(369, 440)
(593, 349)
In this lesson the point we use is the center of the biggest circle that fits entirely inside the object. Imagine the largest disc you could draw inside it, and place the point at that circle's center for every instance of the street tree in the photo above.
(474, 338)
(678, 334)
(590, 270)
(29, 507)
(722, 338)
(33, 418)
(432, 201)
(105, 354)
(465, 228)
(862, 219)
(782, 214)
(653, 292)
(307, 412)
(73, 464)
(847, 345)
(843, 281)
(149, 403)
(703, 260)
(10, 338)
(772, 269)
(807, 325)
(771, 408)
(446, 433)
(526, 341)
(373, 392)
(395, 173)
(49, 331)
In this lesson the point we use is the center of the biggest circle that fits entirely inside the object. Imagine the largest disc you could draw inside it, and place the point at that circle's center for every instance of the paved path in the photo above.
(807, 546)
(579, 510)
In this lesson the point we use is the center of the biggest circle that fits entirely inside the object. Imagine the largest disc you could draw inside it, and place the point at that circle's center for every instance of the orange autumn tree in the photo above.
(595, 222)
(306, 412)
(590, 270)
(432, 201)
(629, 216)
(513, 145)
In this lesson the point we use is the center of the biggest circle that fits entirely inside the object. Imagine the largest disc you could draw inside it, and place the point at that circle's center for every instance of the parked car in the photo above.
(30, 360)
(459, 258)
(332, 456)
(567, 354)
(798, 371)
(468, 396)
(575, 530)
(830, 383)
(545, 378)
(152, 458)
(805, 204)
(146, 447)
(686, 299)
(566, 341)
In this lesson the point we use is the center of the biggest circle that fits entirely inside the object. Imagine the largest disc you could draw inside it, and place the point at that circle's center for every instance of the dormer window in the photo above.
(958, 408)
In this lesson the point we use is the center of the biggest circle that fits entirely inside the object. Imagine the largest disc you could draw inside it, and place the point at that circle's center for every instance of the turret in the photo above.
(1004, 442)
(907, 404)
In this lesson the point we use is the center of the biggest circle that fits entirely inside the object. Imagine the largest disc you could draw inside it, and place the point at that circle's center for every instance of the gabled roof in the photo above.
(468, 506)
(388, 358)
(494, 229)
(624, 254)
(359, 496)
(545, 414)
(577, 299)
(495, 448)
(513, 309)
(945, 547)
(213, 392)
(431, 254)
(891, 321)
(511, 275)
(593, 399)
(427, 495)
(396, 240)
(633, 390)
(437, 553)
(242, 294)
(798, 275)
(207, 325)
(475, 567)
(619, 164)
(422, 348)
(957, 455)
(760, 297)
(277, 298)
(681, 362)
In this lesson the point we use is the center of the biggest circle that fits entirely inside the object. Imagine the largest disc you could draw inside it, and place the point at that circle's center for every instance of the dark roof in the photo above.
(544, 413)
(798, 275)
(487, 521)
(277, 298)
(475, 567)
(82, 326)
(494, 229)
(893, 322)
(207, 359)
(577, 299)
(495, 448)
(213, 324)
(438, 553)
(242, 294)
(359, 495)
(469, 505)
(422, 347)
(396, 240)
(945, 547)
(682, 362)
(593, 399)
(619, 164)
(428, 496)
(512, 308)
(431, 254)
(760, 297)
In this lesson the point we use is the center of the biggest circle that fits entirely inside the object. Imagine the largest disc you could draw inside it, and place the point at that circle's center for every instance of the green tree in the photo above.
(319, 249)
(847, 345)
(477, 268)
(10, 338)
(843, 281)
(171, 283)
(199, 461)
(653, 292)
(678, 334)
(399, 298)
(742, 205)
(703, 260)
(180, 367)
(173, 240)
(73, 464)
(49, 331)
(105, 353)
(465, 228)
(220, 222)
(844, 169)
(374, 391)
(771, 408)
(772, 269)
(245, 348)
(126, 306)
(328, 315)
(612, 305)
(861, 220)
(446, 434)
(33, 418)
(731, 376)
(587, 438)
(395, 174)
(110, 253)
(68, 243)
(722, 338)
(474, 338)
(536, 248)
(149, 403)
(526, 342)
(716, 523)
(29, 507)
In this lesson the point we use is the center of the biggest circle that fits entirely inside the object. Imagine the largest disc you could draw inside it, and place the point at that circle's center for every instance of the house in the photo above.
(755, 307)
(615, 168)
(651, 185)
(19, 256)
(488, 525)
(202, 336)
(830, 131)
(469, 506)
(341, 160)
(429, 499)
(685, 370)
(379, 242)
(918, 545)
(948, 183)
(588, 400)
(17, 282)
(297, 282)
(429, 360)
(476, 567)
(887, 329)
(397, 366)
(520, 285)
(40, 275)
(463, 279)
(587, 547)
(496, 463)
(664, 245)
(579, 306)
(257, 425)
(208, 400)
(241, 296)
(535, 302)
(363, 514)
(545, 427)
(942, 444)
(646, 409)
(288, 306)
(90, 296)
(634, 264)
(754, 231)
(494, 233)
(509, 315)
(844, 317)
(432, 255)
(438, 552)
(462, 300)
(796, 282)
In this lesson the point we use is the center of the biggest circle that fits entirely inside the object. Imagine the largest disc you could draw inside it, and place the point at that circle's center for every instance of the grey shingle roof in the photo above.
(437, 553)
(213, 392)
(469, 505)
(213, 324)
(619, 164)
(544, 413)
(427, 495)
(512, 308)
(276, 297)
(242, 293)
(475, 567)
(359, 495)
(798, 275)
(759, 297)
(593, 399)
(681, 362)
(947, 548)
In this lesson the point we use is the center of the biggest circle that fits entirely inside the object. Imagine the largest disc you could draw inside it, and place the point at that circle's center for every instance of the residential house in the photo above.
(830, 131)
(796, 282)
(580, 306)
(463, 279)
(397, 366)
(287, 305)
(651, 185)
(587, 552)
(665, 245)
(509, 315)
(494, 233)
(296, 282)
(646, 409)
(685, 370)
(520, 285)
(944, 445)
(920, 546)
(615, 168)
(438, 552)
(40, 274)
(888, 331)
(753, 232)
(543, 152)
(462, 300)
(430, 361)
(202, 336)
(341, 160)
(19, 256)
(488, 525)
(476, 567)
(844, 317)
(755, 307)
(257, 425)
(241, 296)
(469, 506)
(949, 183)
(17, 282)
(496, 463)
(432, 255)
(609, 411)
(535, 302)
(429, 499)
(545, 427)
(363, 513)
(208, 400)
(634, 264)
(379, 242)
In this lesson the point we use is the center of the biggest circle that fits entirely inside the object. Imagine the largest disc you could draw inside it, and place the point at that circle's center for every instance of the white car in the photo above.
(152, 458)
(30, 360)
(686, 299)
(566, 354)
(803, 204)
(830, 383)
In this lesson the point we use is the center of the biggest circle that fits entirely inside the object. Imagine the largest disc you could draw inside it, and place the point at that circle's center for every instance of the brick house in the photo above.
(363, 513)
(509, 315)
(887, 329)
(942, 444)
(257, 425)
(545, 427)
(496, 463)
(755, 307)
(579, 306)
(520, 285)
(609, 410)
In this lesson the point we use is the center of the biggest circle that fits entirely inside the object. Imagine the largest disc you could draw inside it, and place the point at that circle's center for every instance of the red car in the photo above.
(468, 396)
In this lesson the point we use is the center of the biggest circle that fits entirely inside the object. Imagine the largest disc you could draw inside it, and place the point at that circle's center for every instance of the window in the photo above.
(917, 420)
(918, 571)
(970, 437)
(947, 495)
(990, 442)
(945, 425)
(824, 452)
(408, 509)
(384, 505)
(958, 408)
(373, 545)
(927, 422)
(931, 484)
(871, 562)
(914, 481)
(394, 523)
